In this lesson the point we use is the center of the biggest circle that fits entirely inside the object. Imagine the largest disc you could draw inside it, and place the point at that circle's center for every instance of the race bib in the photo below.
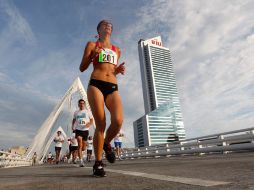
(81, 121)
(108, 56)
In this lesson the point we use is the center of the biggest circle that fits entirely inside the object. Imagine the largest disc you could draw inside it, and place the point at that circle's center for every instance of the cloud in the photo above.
(211, 45)
(22, 112)
(213, 64)
(14, 135)
(3, 77)
(18, 28)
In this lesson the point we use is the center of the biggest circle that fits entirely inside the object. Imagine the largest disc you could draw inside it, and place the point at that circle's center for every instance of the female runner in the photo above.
(103, 89)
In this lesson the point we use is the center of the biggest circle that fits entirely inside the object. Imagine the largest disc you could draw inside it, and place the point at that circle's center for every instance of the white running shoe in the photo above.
(82, 164)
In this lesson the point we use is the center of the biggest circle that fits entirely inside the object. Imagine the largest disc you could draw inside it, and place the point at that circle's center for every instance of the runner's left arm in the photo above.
(120, 68)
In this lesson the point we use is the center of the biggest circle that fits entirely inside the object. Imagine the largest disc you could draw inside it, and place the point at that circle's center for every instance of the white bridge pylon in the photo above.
(42, 139)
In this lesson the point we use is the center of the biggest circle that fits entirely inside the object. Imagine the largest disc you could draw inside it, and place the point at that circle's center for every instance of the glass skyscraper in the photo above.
(162, 122)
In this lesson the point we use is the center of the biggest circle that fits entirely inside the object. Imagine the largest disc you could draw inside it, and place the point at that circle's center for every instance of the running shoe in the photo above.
(81, 164)
(98, 169)
(110, 154)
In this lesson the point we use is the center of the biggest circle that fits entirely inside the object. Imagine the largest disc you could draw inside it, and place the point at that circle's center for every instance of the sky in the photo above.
(211, 44)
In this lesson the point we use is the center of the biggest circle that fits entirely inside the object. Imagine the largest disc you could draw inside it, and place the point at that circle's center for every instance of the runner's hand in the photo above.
(121, 69)
(87, 125)
(96, 52)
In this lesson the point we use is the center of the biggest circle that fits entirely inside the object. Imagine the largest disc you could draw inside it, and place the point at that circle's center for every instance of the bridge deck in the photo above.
(232, 171)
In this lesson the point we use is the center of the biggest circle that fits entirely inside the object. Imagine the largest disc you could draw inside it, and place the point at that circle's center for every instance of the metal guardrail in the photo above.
(8, 160)
(227, 142)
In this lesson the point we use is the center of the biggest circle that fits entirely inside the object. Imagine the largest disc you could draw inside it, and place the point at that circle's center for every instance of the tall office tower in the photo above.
(162, 122)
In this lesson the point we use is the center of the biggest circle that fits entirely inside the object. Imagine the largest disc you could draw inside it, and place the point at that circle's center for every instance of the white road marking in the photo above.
(184, 180)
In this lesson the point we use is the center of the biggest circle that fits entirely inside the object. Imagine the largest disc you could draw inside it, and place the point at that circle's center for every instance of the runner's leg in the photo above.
(114, 105)
(96, 101)
(80, 145)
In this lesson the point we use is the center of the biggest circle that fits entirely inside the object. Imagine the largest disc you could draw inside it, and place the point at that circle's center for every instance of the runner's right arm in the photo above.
(72, 126)
(91, 51)
(87, 56)
(73, 121)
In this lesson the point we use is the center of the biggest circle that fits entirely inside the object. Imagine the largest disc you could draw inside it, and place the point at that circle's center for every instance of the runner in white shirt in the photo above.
(59, 140)
(89, 148)
(73, 148)
(34, 159)
(82, 120)
(118, 143)
(50, 158)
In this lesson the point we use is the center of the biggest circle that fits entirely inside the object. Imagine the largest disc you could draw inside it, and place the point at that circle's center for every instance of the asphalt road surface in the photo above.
(230, 171)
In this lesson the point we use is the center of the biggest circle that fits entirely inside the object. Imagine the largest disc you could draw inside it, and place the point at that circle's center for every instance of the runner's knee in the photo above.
(100, 126)
(118, 121)
(100, 123)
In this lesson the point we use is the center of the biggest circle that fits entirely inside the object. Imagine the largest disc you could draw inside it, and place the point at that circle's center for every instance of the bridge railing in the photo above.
(227, 142)
(13, 160)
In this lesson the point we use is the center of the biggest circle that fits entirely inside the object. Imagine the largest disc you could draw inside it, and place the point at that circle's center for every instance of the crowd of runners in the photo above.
(72, 155)
(80, 143)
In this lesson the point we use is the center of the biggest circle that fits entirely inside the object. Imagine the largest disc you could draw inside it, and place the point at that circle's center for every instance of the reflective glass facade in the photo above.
(163, 120)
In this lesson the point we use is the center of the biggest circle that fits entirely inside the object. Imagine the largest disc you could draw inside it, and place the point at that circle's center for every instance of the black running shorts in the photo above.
(73, 148)
(58, 148)
(83, 134)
